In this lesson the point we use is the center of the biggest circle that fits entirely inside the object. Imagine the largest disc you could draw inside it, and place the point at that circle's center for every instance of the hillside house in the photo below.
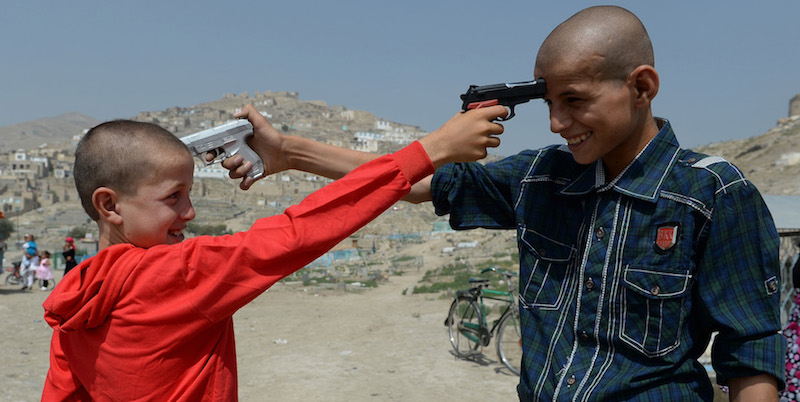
(383, 125)
(17, 202)
(21, 165)
(62, 169)
(366, 141)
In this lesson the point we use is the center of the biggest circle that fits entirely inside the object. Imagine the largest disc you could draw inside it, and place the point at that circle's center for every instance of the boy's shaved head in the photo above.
(612, 39)
(118, 154)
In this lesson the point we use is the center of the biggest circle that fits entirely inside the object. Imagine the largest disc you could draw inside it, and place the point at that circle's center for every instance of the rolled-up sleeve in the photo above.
(739, 286)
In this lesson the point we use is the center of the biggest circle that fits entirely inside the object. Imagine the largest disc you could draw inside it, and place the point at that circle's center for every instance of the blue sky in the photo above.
(728, 68)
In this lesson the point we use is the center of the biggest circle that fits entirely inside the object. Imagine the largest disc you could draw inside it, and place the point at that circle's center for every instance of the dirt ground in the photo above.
(297, 343)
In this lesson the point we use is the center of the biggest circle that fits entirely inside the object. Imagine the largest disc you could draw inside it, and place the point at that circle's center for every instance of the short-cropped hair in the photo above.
(118, 154)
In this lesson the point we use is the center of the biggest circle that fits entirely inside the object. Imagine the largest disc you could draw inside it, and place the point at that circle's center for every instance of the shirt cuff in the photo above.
(414, 162)
(750, 358)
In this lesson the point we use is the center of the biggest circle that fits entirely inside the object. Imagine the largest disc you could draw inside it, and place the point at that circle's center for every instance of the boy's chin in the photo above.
(584, 160)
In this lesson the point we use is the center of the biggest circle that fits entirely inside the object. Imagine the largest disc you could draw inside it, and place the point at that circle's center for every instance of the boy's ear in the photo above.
(646, 82)
(104, 201)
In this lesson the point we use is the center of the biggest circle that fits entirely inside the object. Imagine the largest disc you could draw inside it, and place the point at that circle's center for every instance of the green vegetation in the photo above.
(77, 233)
(210, 229)
(453, 277)
(403, 258)
(6, 228)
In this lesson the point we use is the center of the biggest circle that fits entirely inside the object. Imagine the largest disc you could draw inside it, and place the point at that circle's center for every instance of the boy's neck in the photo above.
(614, 166)
(103, 238)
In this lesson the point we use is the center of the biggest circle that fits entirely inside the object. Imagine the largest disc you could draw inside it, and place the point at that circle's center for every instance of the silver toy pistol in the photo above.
(225, 141)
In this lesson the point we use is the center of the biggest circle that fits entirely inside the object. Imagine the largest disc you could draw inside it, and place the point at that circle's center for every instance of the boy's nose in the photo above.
(559, 120)
(188, 213)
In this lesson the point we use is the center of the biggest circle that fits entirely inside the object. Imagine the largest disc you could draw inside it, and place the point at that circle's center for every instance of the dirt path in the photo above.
(295, 344)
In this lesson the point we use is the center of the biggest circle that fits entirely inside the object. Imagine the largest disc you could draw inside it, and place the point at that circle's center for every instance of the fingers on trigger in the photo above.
(245, 167)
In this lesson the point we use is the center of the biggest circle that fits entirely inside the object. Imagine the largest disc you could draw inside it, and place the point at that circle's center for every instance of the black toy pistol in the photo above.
(508, 95)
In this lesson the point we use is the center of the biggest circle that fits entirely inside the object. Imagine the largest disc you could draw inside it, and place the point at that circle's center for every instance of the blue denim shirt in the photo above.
(623, 282)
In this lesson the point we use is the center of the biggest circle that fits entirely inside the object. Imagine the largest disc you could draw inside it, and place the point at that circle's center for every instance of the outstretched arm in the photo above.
(463, 138)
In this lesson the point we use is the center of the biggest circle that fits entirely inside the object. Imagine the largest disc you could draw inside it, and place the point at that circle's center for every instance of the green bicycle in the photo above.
(468, 326)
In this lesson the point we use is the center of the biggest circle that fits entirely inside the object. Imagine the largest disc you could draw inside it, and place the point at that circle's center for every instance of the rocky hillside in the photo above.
(52, 131)
(770, 160)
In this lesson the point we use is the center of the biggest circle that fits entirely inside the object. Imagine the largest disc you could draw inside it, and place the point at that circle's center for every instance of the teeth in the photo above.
(577, 140)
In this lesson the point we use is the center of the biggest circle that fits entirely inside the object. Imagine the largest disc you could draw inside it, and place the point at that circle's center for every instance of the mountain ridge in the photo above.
(770, 160)
(52, 131)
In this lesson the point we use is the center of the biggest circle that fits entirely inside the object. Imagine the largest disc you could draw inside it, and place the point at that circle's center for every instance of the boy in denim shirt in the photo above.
(633, 251)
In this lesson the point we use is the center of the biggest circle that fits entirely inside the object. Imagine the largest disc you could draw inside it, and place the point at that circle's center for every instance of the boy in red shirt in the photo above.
(150, 316)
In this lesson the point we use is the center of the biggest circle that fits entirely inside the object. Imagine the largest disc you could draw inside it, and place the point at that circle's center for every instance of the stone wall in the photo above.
(794, 106)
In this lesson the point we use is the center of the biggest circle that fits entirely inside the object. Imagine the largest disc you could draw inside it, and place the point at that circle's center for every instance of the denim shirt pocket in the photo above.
(549, 262)
(653, 309)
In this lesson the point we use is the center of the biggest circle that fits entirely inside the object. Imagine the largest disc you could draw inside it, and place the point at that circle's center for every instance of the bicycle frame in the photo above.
(468, 323)
(480, 294)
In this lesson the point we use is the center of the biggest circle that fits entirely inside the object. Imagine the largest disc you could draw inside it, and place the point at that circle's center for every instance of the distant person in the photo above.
(792, 333)
(43, 272)
(30, 261)
(150, 316)
(68, 251)
(3, 248)
(633, 251)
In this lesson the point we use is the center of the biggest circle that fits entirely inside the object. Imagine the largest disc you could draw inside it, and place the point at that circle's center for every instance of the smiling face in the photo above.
(598, 65)
(133, 179)
(597, 117)
(157, 213)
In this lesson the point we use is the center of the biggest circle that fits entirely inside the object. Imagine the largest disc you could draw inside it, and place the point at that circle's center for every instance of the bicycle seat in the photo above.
(478, 281)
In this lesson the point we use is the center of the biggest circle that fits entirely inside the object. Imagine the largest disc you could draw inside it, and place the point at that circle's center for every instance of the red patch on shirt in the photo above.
(667, 237)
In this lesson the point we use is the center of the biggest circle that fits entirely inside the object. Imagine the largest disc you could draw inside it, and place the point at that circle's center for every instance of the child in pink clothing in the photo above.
(43, 273)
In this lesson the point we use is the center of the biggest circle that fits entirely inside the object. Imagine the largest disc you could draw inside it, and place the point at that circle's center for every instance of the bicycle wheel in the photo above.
(12, 279)
(509, 341)
(464, 324)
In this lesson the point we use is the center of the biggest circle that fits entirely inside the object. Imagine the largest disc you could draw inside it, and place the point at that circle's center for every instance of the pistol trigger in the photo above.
(219, 155)
(213, 153)
(510, 114)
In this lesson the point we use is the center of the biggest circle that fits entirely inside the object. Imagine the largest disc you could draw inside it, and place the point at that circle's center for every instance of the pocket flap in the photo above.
(655, 284)
(546, 249)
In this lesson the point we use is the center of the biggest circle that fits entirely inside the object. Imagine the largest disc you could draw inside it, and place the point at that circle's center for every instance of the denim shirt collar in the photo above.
(642, 178)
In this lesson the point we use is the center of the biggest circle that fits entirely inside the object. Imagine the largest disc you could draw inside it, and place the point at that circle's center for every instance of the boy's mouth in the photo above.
(578, 139)
(176, 234)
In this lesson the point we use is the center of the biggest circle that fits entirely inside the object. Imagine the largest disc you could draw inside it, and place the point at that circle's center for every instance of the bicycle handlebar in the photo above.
(500, 271)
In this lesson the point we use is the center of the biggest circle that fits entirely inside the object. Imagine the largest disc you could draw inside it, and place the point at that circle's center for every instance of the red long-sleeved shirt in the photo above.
(156, 324)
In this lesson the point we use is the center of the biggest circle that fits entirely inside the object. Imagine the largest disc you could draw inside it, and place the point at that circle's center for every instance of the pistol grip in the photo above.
(258, 165)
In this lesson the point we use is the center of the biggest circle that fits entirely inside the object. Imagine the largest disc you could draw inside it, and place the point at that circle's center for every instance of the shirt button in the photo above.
(571, 380)
(589, 284)
(584, 336)
(600, 233)
(773, 286)
(655, 290)
(542, 252)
